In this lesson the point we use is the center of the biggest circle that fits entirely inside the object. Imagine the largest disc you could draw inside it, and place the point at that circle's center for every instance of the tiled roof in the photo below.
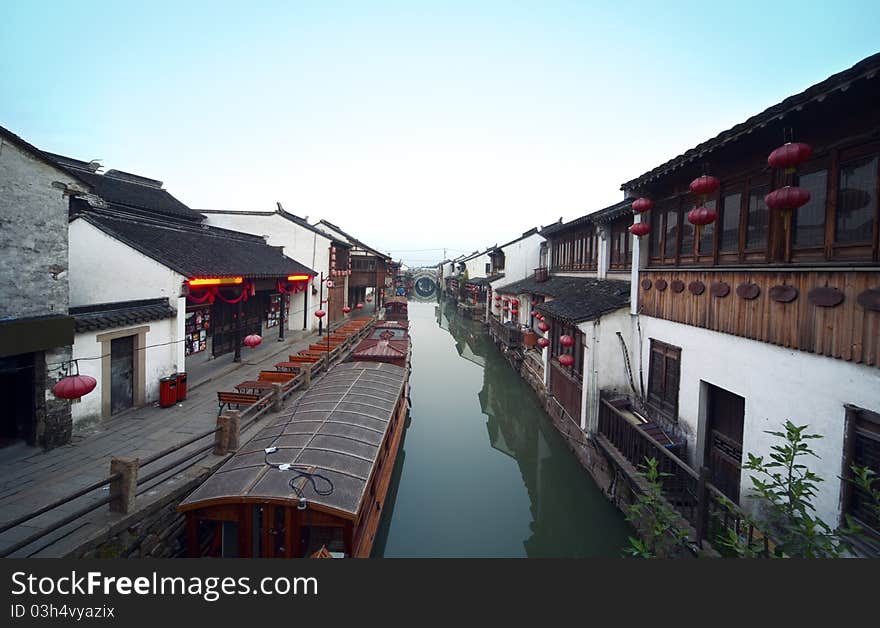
(43, 156)
(199, 250)
(604, 215)
(587, 300)
(866, 68)
(120, 314)
(279, 212)
(130, 190)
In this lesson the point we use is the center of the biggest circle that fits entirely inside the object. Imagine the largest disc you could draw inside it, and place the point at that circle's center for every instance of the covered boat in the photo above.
(316, 477)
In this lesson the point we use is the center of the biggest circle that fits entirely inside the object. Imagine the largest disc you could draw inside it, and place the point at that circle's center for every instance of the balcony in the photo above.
(508, 333)
(542, 274)
(629, 440)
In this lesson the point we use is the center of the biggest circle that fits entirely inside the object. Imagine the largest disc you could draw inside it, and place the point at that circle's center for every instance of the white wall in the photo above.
(778, 384)
(301, 244)
(104, 270)
(161, 361)
(476, 267)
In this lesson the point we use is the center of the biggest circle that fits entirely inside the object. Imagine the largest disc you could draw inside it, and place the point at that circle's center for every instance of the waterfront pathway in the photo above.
(31, 478)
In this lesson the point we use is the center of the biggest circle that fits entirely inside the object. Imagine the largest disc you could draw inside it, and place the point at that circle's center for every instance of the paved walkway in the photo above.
(31, 478)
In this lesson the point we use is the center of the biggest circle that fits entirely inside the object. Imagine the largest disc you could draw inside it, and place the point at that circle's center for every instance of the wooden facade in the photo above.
(835, 313)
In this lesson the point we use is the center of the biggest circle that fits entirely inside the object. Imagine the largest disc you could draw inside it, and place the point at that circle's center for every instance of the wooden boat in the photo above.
(314, 481)
(396, 309)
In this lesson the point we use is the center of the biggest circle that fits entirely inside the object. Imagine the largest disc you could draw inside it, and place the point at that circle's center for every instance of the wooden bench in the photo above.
(306, 359)
(281, 377)
(229, 399)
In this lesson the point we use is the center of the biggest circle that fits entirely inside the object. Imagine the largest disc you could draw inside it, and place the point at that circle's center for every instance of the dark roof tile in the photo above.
(575, 299)
(120, 313)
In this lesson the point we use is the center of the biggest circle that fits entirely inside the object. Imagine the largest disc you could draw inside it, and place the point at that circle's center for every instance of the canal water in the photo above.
(482, 471)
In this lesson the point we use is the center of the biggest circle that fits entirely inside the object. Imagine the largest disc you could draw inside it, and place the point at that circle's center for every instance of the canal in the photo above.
(482, 471)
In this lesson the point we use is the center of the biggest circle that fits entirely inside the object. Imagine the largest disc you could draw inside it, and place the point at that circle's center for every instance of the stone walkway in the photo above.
(31, 478)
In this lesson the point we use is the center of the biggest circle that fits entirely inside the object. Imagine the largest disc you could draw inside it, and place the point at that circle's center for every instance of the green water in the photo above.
(482, 471)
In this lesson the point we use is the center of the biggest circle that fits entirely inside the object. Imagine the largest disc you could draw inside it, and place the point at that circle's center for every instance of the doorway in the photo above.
(17, 388)
(121, 373)
(725, 413)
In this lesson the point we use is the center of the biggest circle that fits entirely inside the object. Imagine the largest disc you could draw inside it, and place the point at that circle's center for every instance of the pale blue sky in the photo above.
(413, 125)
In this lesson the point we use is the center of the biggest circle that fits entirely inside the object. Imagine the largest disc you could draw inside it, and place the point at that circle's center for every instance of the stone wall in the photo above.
(155, 530)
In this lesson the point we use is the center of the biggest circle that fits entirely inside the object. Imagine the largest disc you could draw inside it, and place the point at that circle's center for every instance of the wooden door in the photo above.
(121, 373)
(724, 436)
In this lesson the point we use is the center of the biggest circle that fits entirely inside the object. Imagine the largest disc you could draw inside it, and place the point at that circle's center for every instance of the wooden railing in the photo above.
(542, 274)
(508, 333)
(700, 503)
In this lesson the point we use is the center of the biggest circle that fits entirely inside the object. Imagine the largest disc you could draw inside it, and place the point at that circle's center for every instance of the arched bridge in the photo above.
(424, 284)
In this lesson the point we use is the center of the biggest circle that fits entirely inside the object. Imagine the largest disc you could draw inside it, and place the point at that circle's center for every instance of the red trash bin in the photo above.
(181, 386)
(168, 391)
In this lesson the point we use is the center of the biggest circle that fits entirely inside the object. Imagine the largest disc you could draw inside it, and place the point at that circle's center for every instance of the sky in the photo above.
(417, 127)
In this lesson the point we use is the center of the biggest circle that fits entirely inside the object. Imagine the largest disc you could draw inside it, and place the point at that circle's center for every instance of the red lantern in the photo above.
(346, 309)
(705, 185)
(787, 198)
(497, 297)
(320, 313)
(566, 341)
(253, 340)
(640, 229)
(642, 205)
(790, 155)
(359, 306)
(566, 360)
(74, 386)
(514, 301)
(514, 312)
(543, 326)
(369, 299)
(702, 216)
(543, 342)
(539, 316)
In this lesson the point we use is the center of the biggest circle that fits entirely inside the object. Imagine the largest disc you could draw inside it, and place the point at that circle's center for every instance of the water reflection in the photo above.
(485, 474)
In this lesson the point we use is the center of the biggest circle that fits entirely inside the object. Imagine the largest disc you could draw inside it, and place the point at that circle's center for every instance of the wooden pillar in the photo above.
(123, 490)
(239, 315)
(277, 397)
(228, 435)
(192, 536)
(306, 376)
(282, 310)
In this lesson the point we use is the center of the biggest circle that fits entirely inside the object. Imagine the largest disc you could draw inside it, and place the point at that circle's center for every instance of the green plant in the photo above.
(787, 489)
(655, 519)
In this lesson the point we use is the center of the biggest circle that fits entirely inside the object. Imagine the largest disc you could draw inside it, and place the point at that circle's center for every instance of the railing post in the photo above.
(226, 438)
(123, 490)
(702, 505)
(306, 375)
(277, 397)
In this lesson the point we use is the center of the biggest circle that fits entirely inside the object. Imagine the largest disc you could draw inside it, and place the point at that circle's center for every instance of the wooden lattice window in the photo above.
(862, 449)
(663, 379)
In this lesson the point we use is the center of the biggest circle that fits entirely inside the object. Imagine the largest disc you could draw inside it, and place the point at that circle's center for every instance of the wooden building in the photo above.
(760, 316)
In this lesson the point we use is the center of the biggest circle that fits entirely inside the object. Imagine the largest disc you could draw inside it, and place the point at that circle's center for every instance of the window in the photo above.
(657, 235)
(620, 245)
(808, 221)
(671, 232)
(856, 200)
(758, 219)
(730, 212)
(687, 229)
(707, 234)
(663, 379)
(862, 449)
(560, 329)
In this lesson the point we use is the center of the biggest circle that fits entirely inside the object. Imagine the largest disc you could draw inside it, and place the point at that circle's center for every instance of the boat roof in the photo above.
(392, 347)
(337, 427)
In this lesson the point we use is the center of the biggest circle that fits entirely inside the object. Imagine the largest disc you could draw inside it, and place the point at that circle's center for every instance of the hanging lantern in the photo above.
(74, 386)
(790, 155)
(514, 312)
(543, 326)
(787, 198)
(359, 306)
(705, 185)
(542, 342)
(346, 309)
(253, 340)
(514, 302)
(566, 359)
(320, 313)
(497, 297)
(369, 299)
(642, 205)
(701, 216)
(640, 229)
(539, 316)
(566, 341)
